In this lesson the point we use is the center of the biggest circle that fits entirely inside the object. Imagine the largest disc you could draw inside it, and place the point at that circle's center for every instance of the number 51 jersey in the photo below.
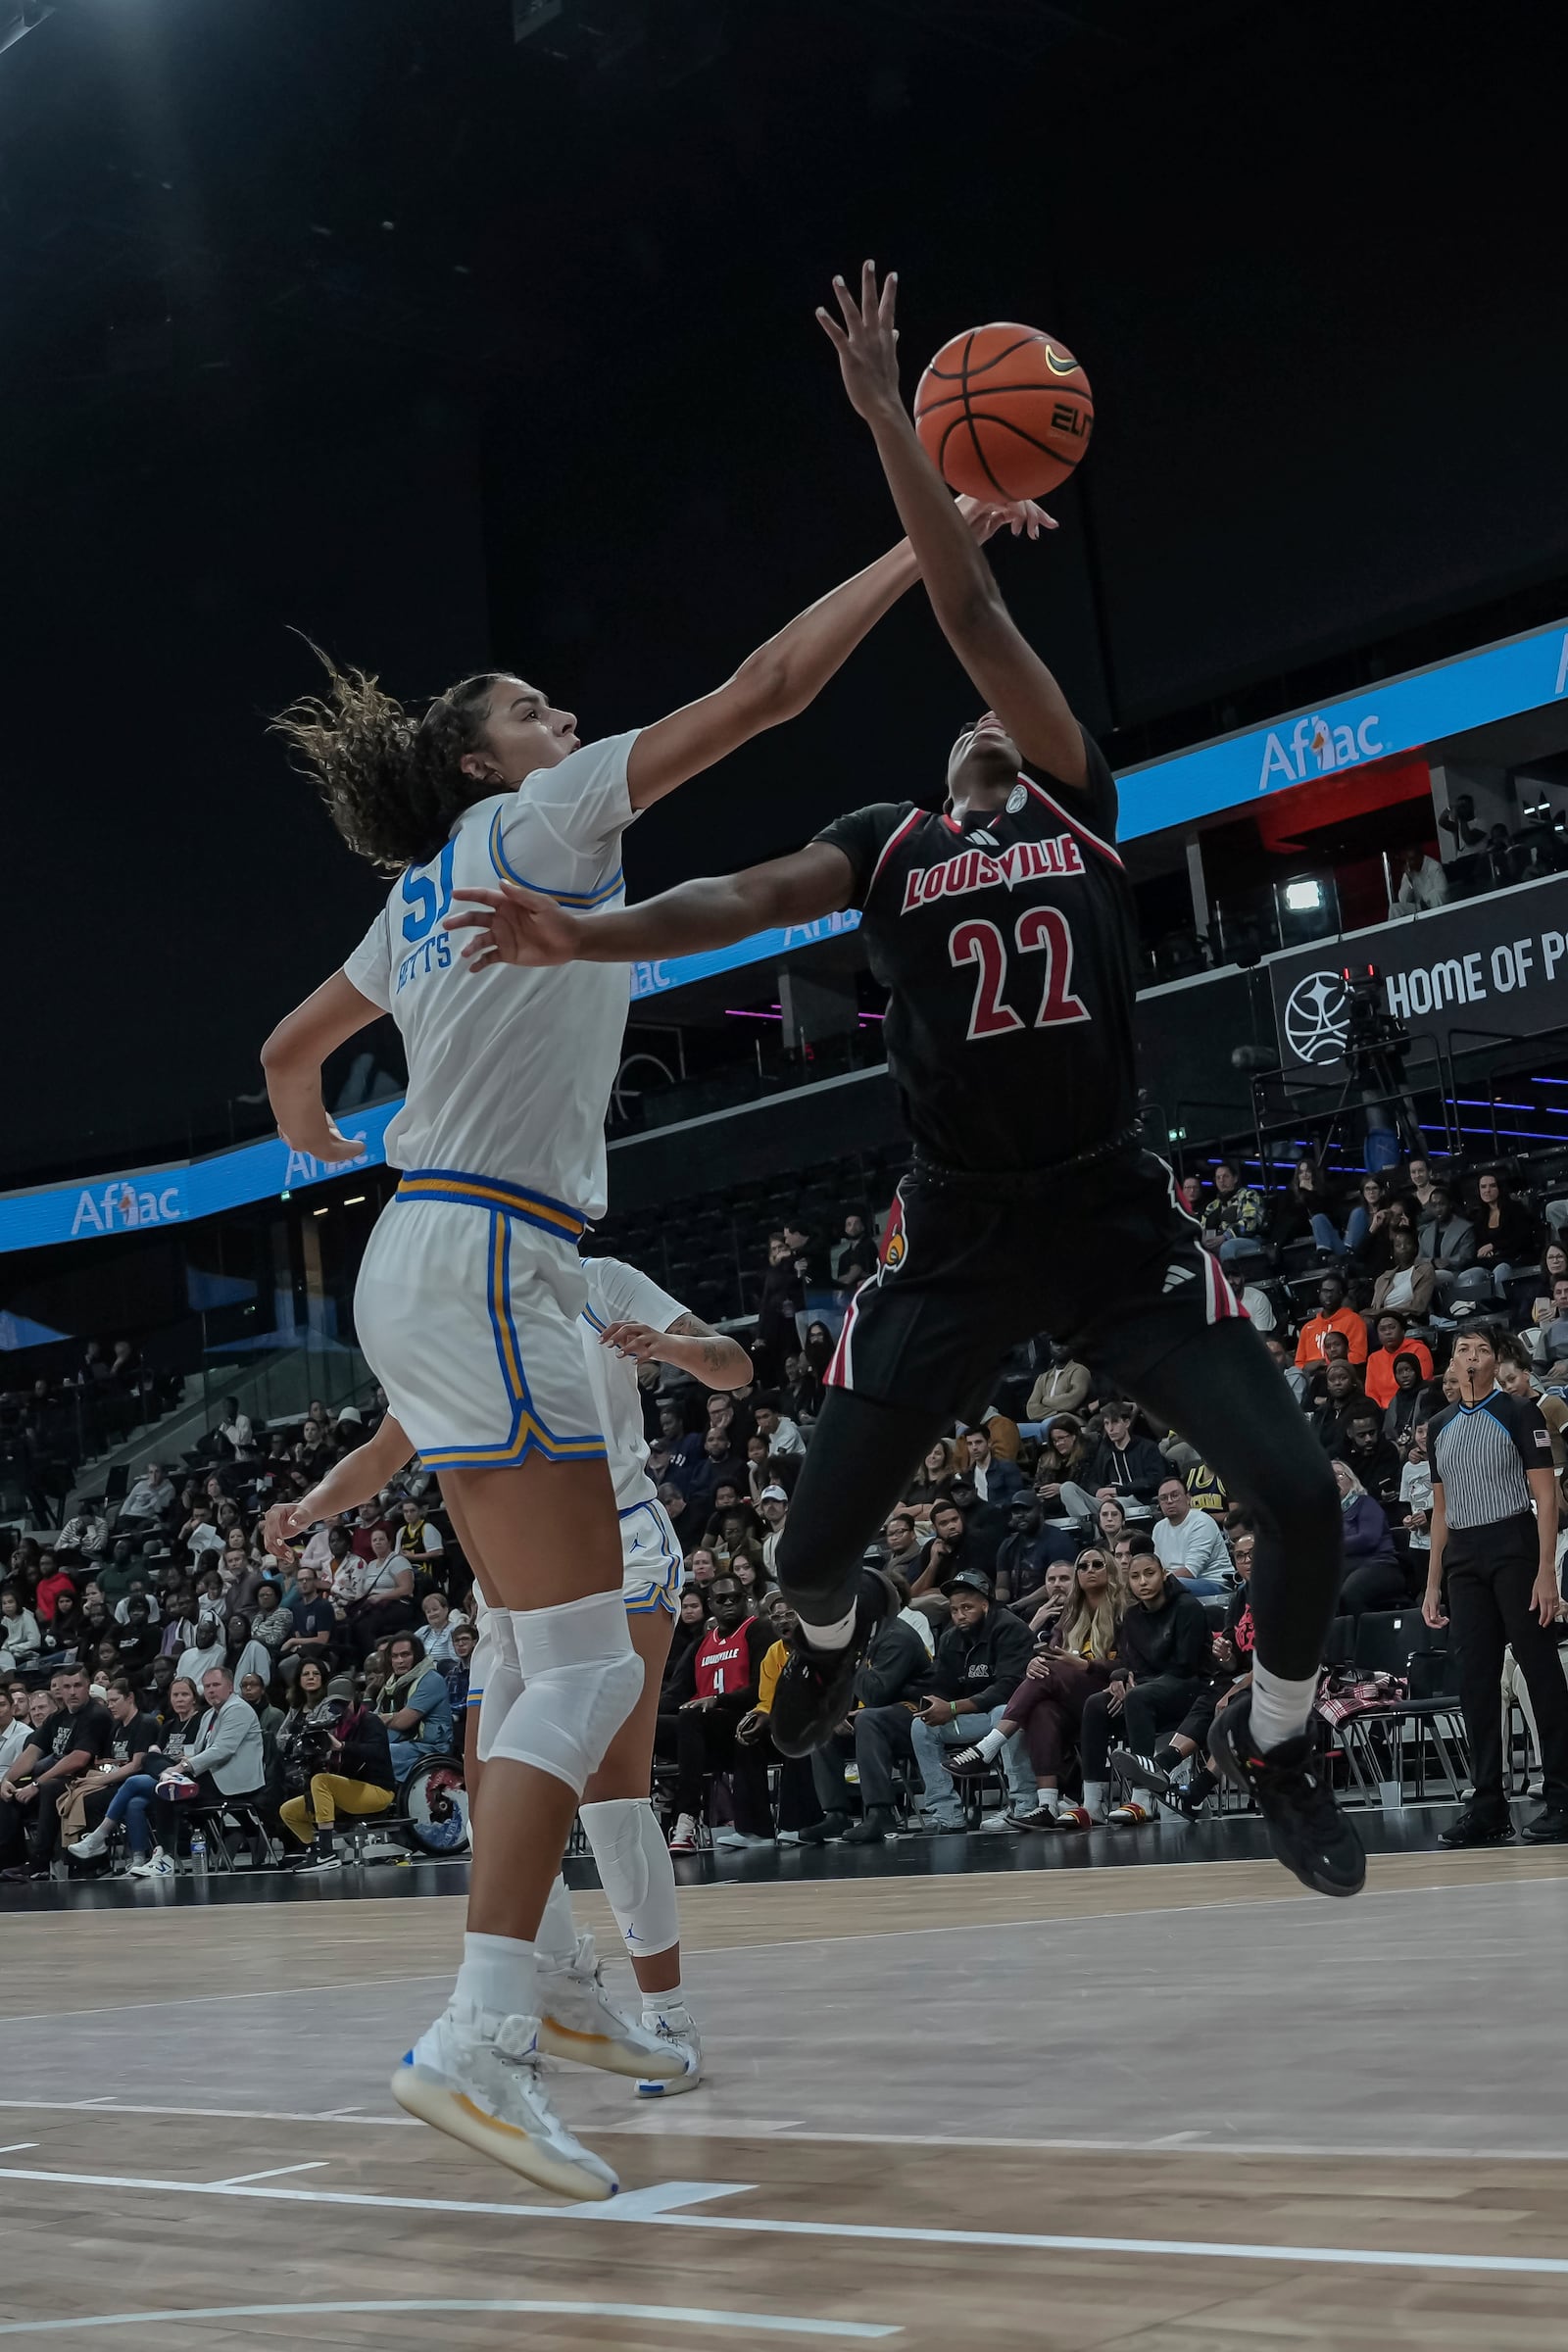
(1007, 946)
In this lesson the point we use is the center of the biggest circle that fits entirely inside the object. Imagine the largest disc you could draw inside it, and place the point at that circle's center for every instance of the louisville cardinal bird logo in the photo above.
(895, 1243)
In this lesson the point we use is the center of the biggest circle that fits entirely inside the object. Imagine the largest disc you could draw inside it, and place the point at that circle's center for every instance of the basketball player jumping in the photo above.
(1004, 930)
(469, 1293)
(628, 1320)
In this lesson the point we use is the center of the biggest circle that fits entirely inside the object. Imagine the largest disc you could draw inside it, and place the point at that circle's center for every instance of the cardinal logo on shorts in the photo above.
(895, 1244)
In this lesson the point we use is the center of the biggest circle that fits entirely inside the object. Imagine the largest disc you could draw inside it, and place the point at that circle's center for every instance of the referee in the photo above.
(1490, 1456)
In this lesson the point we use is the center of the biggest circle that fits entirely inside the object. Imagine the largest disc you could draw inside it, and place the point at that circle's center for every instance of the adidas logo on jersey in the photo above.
(984, 840)
(1178, 1274)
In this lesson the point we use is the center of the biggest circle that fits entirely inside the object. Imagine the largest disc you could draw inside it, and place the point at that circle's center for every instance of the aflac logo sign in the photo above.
(121, 1208)
(1285, 760)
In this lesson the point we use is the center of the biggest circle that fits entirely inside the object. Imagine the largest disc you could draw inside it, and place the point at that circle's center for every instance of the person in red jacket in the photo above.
(724, 1676)
(52, 1582)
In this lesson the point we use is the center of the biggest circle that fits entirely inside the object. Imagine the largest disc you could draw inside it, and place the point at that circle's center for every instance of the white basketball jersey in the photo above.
(510, 1071)
(618, 1293)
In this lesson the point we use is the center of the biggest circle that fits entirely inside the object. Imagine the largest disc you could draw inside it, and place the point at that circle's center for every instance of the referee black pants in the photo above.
(1491, 1574)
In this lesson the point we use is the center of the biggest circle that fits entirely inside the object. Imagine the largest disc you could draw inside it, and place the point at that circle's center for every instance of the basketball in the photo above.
(1004, 412)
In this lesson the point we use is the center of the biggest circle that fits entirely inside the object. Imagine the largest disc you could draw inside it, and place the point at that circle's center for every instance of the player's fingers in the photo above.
(890, 296)
(832, 329)
(868, 300)
(847, 304)
(482, 896)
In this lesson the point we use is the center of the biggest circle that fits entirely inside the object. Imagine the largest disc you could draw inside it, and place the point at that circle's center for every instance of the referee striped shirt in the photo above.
(1481, 1455)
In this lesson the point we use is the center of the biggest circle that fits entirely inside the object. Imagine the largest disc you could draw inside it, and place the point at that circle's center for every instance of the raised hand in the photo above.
(986, 521)
(866, 343)
(513, 925)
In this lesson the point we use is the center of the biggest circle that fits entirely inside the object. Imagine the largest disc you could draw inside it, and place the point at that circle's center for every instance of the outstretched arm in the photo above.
(513, 925)
(690, 1344)
(292, 1059)
(783, 677)
(964, 597)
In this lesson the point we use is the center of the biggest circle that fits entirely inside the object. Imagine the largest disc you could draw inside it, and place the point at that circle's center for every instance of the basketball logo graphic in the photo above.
(895, 1246)
(1318, 1017)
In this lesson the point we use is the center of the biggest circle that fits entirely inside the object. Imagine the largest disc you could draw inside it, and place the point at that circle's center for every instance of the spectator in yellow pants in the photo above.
(359, 1781)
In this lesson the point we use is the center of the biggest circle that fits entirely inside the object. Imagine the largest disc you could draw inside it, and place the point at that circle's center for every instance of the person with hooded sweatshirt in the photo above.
(1373, 1576)
(1164, 1658)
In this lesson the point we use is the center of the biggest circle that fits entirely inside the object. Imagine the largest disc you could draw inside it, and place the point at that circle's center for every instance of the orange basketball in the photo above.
(1004, 412)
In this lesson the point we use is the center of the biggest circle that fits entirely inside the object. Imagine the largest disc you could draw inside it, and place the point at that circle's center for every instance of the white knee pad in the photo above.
(502, 1684)
(636, 1873)
(581, 1679)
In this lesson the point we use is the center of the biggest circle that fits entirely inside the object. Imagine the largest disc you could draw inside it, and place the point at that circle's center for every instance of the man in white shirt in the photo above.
(1189, 1543)
(235, 1427)
(15, 1733)
(1423, 884)
(781, 1434)
(153, 1496)
(774, 1506)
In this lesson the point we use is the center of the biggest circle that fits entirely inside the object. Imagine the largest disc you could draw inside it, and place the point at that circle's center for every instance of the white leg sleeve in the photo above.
(503, 1681)
(636, 1873)
(581, 1679)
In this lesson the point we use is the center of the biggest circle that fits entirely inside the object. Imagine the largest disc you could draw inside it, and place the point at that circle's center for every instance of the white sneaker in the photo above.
(729, 1836)
(578, 2021)
(88, 1849)
(157, 1865)
(476, 2077)
(683, 1836)
(678, 2034)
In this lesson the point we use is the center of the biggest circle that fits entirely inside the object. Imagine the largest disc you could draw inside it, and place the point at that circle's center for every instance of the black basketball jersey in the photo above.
(1006, 946)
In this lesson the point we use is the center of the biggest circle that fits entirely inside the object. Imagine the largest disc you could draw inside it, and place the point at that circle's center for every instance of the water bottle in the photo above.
(198, 1854)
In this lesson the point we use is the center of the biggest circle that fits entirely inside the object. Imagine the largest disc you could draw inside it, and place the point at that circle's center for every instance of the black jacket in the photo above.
(985, 1666)
(1173, 1640)
(1379, 1471)
(1137, 1466)
(366, 1754)
(895, 1667)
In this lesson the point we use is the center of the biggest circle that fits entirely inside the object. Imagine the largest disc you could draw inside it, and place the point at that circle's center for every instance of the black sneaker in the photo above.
(1139, 1772)
(813, 1693)
(820, 1833)
(1305, 1827)
(1478, 1825)
(965, 1763)
(876, 1826)
(1549, 1827)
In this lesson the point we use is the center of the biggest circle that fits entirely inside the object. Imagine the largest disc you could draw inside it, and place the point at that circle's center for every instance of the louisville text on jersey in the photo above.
(979, 870)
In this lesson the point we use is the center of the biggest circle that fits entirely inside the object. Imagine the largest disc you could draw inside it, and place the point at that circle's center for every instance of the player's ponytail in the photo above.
(392, 783)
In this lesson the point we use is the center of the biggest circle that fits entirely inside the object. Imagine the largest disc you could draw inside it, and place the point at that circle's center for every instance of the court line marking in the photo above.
(663, 2196)
(676, 2314)
(681, 2123)
(13, 2148)
(316, 2164)
(1512, 2265)
(784, 1943)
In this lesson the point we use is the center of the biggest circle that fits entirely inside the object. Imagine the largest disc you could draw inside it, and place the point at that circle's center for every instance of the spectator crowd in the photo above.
(1073, 1578)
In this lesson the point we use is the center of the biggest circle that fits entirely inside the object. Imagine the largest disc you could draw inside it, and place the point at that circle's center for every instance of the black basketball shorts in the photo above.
(1100, 1254)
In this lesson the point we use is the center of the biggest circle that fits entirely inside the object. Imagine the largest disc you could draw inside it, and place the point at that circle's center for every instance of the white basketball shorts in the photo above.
(468, 1307)
(650, 1552)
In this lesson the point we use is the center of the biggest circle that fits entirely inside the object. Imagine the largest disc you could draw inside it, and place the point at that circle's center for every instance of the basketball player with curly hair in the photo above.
(470, 1291)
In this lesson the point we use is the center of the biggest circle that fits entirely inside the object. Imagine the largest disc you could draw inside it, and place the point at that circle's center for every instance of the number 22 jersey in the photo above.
(1006, 945)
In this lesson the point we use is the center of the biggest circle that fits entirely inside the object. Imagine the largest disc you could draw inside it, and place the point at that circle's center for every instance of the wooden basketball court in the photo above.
(1161, 2109)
